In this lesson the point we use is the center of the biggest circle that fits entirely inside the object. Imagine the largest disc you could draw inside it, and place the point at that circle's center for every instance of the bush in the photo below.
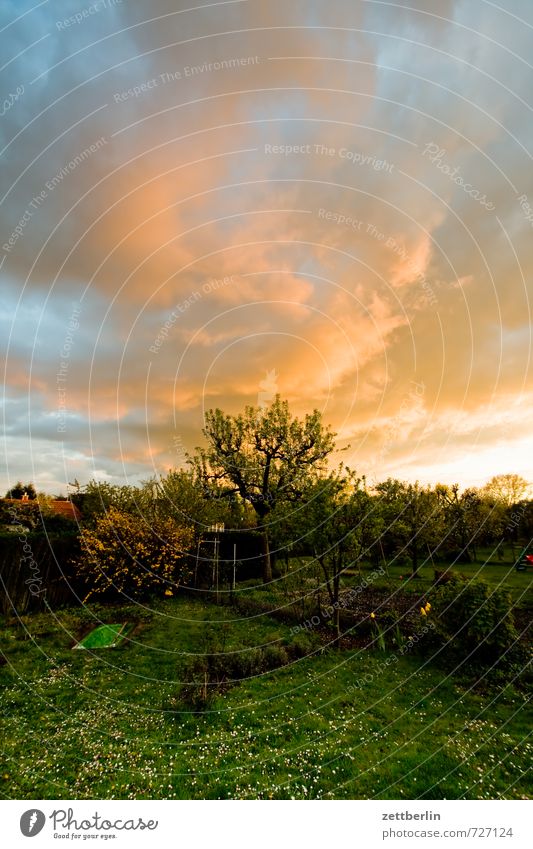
(303, 645)
(274, 656)
(214, 672)
(123, 554)
(474, 623)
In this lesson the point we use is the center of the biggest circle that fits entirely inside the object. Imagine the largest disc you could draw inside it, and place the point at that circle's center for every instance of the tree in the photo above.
(519, 523)
(99, 496)
(183, 497)
(122, 554)
(343, 525)
(265, 456)
(508, 489)
(19, 490)
(467, 519)
(413, 518)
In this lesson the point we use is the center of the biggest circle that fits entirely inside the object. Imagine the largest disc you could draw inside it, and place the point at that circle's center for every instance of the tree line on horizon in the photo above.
(266, 470)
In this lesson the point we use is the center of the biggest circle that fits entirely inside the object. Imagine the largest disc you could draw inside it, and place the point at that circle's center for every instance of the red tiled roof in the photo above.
(66, 509)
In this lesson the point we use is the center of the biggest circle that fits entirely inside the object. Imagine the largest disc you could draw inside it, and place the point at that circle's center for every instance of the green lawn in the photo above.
(108, 724)
(496, 570)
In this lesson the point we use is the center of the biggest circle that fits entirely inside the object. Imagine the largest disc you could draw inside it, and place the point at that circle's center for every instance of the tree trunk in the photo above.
(414, 560)
(464, 545)
(336, 612)
(337, 626)
(267, 564)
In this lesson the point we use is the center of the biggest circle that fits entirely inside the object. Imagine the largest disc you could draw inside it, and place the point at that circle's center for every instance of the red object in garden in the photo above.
(529, 558)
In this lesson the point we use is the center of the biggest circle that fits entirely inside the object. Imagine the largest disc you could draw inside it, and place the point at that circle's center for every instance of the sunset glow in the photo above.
(205, 207)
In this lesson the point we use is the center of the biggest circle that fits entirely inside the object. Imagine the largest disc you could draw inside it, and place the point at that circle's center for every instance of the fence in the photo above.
(34, 568)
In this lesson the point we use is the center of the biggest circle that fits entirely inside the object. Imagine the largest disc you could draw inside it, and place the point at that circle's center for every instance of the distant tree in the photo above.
(519, 522)
(342, 524)
(507, 489)
(45, 501)
(413, 519)
(20, 489)
(468, 519)
(266, 456)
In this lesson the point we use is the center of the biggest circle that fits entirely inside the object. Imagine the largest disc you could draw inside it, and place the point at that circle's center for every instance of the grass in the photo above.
(349, 724)
(496, 568)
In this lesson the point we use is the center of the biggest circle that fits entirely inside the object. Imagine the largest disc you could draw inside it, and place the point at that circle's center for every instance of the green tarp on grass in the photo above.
(104, 637)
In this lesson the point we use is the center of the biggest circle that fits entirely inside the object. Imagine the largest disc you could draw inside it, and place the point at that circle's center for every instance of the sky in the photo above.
(203, 205)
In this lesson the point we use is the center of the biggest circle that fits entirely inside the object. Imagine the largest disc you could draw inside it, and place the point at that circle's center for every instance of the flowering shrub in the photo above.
(474, 622)
(124, 554)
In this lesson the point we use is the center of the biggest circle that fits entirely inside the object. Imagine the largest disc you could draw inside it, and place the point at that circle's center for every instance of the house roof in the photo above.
(62, 508)
(66, 509)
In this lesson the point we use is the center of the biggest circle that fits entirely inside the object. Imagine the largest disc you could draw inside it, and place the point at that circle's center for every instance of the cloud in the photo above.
(157, 152)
